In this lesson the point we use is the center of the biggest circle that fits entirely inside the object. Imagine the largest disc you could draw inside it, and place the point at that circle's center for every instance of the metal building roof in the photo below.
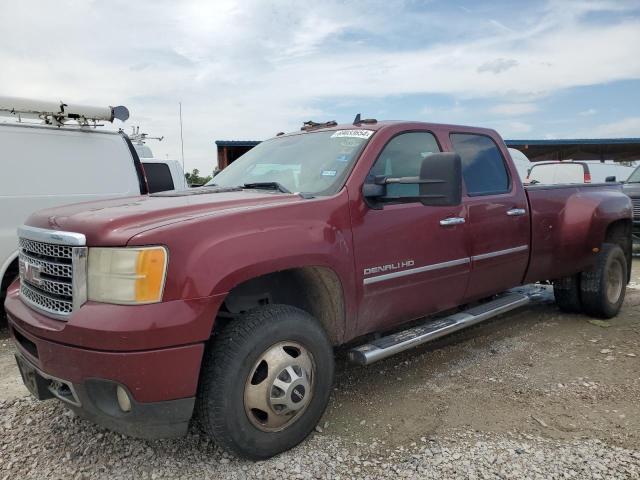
(619, 149)
(237, 143)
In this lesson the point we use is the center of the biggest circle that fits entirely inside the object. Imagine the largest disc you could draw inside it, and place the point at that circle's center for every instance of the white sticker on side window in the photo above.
(352, 133)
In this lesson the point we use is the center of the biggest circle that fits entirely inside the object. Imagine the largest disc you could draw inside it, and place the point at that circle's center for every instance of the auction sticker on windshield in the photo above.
(352, 133)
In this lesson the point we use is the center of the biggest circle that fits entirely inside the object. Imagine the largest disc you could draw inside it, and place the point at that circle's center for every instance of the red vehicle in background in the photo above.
(229, 298)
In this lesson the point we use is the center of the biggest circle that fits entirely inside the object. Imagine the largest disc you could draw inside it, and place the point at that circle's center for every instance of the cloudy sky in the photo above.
(248, 69)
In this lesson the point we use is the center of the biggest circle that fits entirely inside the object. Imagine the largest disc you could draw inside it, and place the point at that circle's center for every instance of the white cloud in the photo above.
(627, 127)
(588, 112)
(513, 128)
(249, 69)
(514, 108)
(498, 65)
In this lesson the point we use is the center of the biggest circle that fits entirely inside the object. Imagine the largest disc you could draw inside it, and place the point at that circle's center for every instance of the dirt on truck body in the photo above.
(228, 300)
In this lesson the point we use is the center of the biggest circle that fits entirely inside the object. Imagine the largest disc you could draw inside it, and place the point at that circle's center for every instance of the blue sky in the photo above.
(245, 70)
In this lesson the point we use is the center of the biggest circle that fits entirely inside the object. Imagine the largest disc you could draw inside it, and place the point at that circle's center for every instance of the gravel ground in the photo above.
(51, 443)
(535, 394)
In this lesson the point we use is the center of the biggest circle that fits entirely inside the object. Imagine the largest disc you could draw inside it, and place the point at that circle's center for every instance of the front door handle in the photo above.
(516, 212)
(452, 221)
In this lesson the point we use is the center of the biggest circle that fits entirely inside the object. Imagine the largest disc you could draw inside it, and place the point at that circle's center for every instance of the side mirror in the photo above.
(373, 190)
(441, 179)
(610, 179)
(440, 183)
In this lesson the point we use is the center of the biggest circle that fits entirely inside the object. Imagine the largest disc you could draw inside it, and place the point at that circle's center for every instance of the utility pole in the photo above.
(181, 138)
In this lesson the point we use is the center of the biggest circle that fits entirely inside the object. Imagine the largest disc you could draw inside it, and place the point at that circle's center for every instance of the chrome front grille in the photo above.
(44, 302)
(52, 270)
(636, 208)
(60, 252)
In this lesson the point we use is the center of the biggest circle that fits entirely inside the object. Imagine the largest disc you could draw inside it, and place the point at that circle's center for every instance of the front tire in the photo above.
(265, 381)
(602, 288)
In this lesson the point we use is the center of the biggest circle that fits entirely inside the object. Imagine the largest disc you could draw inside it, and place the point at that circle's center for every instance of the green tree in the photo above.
(195, 179)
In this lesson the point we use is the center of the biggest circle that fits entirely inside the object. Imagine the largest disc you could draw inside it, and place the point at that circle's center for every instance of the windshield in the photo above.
(316, 163)
(635, 176)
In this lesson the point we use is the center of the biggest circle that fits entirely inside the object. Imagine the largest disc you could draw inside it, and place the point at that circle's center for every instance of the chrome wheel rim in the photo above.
(279, 387)
(615, 282)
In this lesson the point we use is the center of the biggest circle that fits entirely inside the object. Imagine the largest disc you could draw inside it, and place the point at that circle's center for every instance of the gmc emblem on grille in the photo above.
(32, 273)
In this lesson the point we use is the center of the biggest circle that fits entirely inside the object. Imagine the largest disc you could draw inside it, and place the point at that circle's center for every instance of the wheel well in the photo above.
(619, 232)
(316, 290)
(9, 276)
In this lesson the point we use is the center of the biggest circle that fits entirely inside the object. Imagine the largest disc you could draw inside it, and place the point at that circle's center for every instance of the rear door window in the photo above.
(158, 177)
(483, 168)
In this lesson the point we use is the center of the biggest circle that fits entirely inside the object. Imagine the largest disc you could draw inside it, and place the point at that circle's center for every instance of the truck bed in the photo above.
(565, 219)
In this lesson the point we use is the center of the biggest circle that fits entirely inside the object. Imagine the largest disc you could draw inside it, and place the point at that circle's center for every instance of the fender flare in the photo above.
(6, 264)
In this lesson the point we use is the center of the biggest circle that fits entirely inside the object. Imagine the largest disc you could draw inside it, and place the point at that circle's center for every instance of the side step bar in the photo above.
(432, 329)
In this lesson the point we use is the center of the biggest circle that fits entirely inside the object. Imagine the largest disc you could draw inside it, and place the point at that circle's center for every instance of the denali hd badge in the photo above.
(389, 267)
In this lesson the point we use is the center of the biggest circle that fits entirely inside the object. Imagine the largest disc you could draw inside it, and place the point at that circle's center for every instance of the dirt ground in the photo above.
(535, 372)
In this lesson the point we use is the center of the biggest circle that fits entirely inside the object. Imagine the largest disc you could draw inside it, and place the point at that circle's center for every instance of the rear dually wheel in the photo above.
(602, 288)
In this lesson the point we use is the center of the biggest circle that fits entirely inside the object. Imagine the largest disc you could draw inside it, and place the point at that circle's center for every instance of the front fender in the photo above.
(208, 256)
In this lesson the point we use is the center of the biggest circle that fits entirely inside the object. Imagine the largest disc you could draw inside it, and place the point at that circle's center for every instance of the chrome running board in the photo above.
(433, 329)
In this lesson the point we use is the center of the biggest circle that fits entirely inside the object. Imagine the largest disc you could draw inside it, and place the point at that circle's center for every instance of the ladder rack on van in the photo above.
(138, 138)
(60, 113)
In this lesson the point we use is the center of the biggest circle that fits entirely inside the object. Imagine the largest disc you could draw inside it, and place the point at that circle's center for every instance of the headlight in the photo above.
(126, 275)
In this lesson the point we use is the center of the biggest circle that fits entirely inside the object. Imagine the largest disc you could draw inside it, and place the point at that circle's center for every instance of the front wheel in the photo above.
(602, 288)
(265, 381)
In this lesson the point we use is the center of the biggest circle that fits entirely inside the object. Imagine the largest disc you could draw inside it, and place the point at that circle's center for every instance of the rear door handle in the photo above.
(516, 212)
(452, 221)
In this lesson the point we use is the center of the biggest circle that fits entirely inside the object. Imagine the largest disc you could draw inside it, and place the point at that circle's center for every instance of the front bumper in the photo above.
(95, 400)
(161, 381)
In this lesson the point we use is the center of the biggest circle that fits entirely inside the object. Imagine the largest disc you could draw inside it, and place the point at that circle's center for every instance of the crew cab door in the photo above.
(410, 259)
(498, 220)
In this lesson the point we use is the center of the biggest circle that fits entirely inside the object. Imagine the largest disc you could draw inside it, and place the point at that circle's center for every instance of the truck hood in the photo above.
(113, 222)
(632, 189)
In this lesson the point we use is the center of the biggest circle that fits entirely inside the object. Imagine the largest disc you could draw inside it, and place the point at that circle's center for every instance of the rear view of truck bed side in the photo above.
(567, 224)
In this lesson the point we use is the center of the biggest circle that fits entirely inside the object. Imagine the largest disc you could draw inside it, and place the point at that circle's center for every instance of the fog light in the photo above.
(123, 399)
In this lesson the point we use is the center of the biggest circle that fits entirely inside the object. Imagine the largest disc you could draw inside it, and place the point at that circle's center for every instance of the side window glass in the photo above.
(483, 167)
(402, 157)
(158, 177)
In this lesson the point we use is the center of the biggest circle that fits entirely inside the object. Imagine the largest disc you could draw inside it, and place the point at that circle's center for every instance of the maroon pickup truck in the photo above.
(225, 302)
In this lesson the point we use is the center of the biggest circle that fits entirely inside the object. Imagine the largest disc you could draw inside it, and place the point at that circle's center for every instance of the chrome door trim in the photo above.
(498, 253)
(413, 271)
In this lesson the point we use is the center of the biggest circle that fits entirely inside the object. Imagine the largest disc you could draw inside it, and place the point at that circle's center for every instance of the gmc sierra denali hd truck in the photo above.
(224, 303)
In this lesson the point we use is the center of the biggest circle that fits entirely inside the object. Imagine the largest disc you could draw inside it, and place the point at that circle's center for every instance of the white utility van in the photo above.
(54, 163)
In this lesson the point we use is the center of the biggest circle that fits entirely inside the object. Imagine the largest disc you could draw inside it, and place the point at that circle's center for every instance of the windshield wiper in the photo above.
(267, 186)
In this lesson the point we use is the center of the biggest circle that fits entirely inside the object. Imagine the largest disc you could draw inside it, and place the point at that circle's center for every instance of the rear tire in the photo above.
(265, 381)
(602, 289)
(566, 291)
